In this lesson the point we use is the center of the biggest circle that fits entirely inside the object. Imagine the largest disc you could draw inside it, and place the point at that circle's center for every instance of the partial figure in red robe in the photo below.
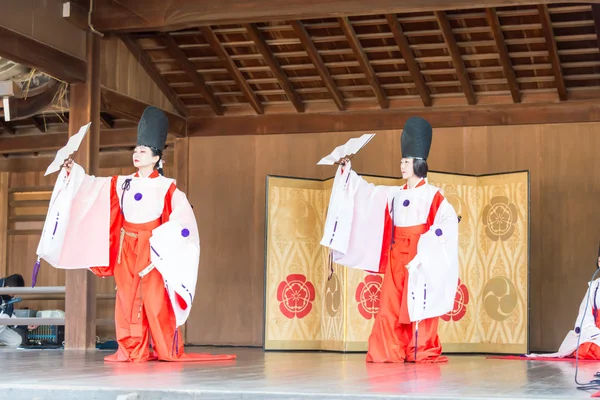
(410, 235)
(140, 229)
(586, 331)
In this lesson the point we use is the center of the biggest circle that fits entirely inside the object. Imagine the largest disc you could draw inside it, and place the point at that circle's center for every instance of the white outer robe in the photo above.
(76, 233)
(354, 231)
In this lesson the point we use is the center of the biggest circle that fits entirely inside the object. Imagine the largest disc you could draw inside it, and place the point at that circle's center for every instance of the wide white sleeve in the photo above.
(355, 221)
(433, 273)
(78, 218)
(175, 252)
(585, 325)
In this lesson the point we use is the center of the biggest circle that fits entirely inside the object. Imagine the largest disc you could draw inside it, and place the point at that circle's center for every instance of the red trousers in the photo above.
(143, 311)
(393, 336)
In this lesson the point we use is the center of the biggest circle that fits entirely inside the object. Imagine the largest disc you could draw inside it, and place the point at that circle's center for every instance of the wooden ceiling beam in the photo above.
(122, 106)
(16, 108)
(109, 138)
(160, 15)
(107, 159)
(7, 127)
(267, 55)
(552, 51)
(191, 72)
(363, 60)
(233, 70)
(76, 14)
(457, 61)
(144, 60)
(509, 73)
(409, 58)
(24, 50)
(318, 63)
(367, 121)
(40, 125)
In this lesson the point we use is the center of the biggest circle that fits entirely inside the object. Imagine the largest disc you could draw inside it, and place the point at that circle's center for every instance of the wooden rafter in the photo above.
(126, 107)
(7, 127)
(457, 61)
(39, 123)
(107, 120)
(191, 72)
(509, 73)
(229, 64)
(363, 60)
(144, 60)
(23, 108)
(552, 51)
(263, 49)
(318, 63)
(596, 16)
(409, 58)
(152, 15)
(22, 49)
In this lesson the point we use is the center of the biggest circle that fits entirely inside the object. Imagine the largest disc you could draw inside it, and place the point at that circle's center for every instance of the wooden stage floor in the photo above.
(55, 374)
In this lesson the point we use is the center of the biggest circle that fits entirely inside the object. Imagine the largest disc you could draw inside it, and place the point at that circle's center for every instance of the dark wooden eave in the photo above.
(160, 15)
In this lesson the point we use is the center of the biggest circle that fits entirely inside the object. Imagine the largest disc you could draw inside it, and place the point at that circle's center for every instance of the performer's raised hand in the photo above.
(68, 164)
(343, 162)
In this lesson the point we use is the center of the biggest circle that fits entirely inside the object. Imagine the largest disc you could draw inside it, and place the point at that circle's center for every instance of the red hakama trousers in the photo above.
(393, 336)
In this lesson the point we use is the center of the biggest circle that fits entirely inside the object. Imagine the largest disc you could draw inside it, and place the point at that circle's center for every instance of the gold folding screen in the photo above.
(305, 311)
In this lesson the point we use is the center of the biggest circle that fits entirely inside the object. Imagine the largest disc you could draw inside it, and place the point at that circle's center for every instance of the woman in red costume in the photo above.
(140, 229)
(410, 235)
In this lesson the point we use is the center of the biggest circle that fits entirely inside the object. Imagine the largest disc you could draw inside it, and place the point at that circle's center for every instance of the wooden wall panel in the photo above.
(122, 72)
(221, 190)
(569, 224)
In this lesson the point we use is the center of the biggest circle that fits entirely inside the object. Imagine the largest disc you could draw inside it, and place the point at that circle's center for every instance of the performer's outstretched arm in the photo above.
(356, 220)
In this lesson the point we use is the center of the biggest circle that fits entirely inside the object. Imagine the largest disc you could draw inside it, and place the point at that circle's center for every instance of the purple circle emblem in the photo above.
(406, 203)
(185, 232)
(137, 197)
(577, 330)
(438, 232)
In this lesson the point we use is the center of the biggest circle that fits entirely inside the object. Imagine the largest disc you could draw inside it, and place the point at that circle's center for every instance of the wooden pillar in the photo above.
(80, 297)
(181, 168)
(4, 178)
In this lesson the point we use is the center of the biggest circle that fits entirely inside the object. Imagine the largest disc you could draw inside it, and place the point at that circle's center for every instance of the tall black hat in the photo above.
(153, 128)
(416, 138)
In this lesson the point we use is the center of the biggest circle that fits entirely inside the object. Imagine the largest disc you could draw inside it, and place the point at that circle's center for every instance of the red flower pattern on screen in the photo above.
(295, 296)
(368, 296)
(461, 299)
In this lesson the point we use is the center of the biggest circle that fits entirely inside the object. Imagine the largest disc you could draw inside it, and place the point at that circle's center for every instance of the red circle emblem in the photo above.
(295, 296)
(368, 296)
(461, 299)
